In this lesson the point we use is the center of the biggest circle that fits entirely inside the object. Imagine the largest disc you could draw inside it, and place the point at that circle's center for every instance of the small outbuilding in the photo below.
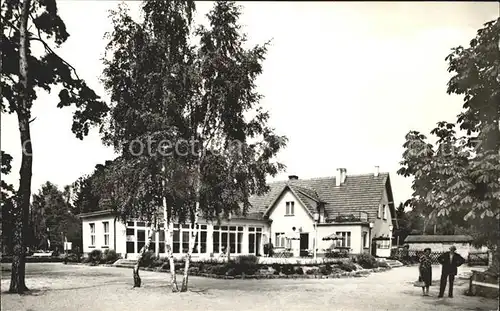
(442, 243)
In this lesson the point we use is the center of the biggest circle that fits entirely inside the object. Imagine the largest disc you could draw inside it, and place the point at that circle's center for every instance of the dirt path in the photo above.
(58, 287)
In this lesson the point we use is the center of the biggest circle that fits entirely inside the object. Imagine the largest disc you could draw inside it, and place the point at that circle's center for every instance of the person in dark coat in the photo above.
(425, 271)
(449, 261)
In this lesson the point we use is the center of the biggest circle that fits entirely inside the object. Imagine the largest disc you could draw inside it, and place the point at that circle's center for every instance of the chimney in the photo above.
(293, 177)
(376, 171)
(340, 176)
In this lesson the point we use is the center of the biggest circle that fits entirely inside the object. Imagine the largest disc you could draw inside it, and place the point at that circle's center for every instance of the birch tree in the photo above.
(23, 74)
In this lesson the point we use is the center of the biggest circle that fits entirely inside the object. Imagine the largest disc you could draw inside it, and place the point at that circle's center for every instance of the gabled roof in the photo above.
(359, 193)
(302, 194)
(438, 238)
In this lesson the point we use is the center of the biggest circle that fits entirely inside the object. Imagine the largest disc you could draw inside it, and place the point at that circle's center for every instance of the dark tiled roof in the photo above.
(359, 193)
(96, 213)
(438, 238)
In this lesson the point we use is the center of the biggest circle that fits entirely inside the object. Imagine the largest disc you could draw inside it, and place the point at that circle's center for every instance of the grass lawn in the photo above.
(59, 287)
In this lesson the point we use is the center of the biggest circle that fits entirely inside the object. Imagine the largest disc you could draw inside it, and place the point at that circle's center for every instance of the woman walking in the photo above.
(425, 269)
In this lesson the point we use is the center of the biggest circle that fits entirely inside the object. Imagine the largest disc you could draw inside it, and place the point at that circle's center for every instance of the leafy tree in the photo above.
(462, 172)
(86, 194)
(196, 107)
(23, 74)
(52, 218)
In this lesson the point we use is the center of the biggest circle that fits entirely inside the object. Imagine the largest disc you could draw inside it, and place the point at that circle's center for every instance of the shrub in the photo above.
(276, 267)
(325, 269)
(347, 266)
(95, 256)
(110, 256)
(366, 261)
(299, 270)
(148, 259)
(287, 269)
(72, 258)
(310, 271)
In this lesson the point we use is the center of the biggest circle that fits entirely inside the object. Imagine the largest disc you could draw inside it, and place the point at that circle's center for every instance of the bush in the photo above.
(310, 271)
(95, 256)
(110, 256)
(72, 258)
(299, 270)
(148, 259)
(287, 269)
(366, 261)
(325, 269)
(347, 266)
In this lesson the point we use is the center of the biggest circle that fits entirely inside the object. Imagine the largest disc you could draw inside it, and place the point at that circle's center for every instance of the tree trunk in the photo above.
(17, 282)
(144, 249)
(194, 230)
(168, 247)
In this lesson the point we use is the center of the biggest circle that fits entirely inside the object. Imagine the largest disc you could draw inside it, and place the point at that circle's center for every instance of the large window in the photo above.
(345, 240)
(105, 226)
(92, 234)
(290, 208)
(228, 237)
(181, 238)
(280, 239)
(384, 212)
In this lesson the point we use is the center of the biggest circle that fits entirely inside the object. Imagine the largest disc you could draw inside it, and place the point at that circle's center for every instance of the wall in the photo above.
(283, 223)
(381, 227)
(99, 233)
(356, 236)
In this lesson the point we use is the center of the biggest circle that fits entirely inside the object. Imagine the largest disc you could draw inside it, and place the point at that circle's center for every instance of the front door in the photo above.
(304, 244)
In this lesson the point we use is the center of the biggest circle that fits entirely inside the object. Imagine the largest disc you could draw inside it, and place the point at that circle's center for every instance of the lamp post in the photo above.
(316, 219)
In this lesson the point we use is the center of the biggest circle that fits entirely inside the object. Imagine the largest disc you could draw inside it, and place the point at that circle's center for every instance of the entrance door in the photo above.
(304, 244)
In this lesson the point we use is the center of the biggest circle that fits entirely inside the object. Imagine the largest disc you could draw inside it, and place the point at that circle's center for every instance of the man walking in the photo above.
(449, 261)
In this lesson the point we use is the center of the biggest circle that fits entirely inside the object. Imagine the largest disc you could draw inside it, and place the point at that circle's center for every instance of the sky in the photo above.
(344, 81)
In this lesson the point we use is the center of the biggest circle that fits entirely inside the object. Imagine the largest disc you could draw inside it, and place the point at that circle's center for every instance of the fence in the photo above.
(412, 256)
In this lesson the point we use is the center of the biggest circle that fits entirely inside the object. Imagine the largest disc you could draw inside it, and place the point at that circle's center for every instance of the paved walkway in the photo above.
(58, 287)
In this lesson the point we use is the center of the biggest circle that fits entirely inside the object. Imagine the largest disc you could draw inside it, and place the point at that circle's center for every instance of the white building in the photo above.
(293, 215)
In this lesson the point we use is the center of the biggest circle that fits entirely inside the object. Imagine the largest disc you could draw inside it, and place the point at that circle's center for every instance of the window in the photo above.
(92, 234)
(228, 238)
(280, 239)
(384, 244)
(365, 240)
(161, 238)
(130, 240)
(105, 225)
(384, 212)
(379, 213)
(346, 239)
(289, 208)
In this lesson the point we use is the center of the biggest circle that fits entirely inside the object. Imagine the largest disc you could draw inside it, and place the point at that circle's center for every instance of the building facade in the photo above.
(296, 216)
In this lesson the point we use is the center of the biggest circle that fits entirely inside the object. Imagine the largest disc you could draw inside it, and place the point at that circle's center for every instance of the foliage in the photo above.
(95, 256)
(347, 266)
(462, 172)
(45, 70)
(110, 256)
(51, 216)
(148, 259)
(325, 269)
(367, 261)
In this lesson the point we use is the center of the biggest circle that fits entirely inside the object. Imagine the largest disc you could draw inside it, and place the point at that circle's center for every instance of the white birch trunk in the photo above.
(194, 231)
(169, 237)
(137, 278)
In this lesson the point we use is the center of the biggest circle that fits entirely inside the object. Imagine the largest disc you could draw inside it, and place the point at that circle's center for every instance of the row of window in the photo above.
(223, 238)
(105, 230)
